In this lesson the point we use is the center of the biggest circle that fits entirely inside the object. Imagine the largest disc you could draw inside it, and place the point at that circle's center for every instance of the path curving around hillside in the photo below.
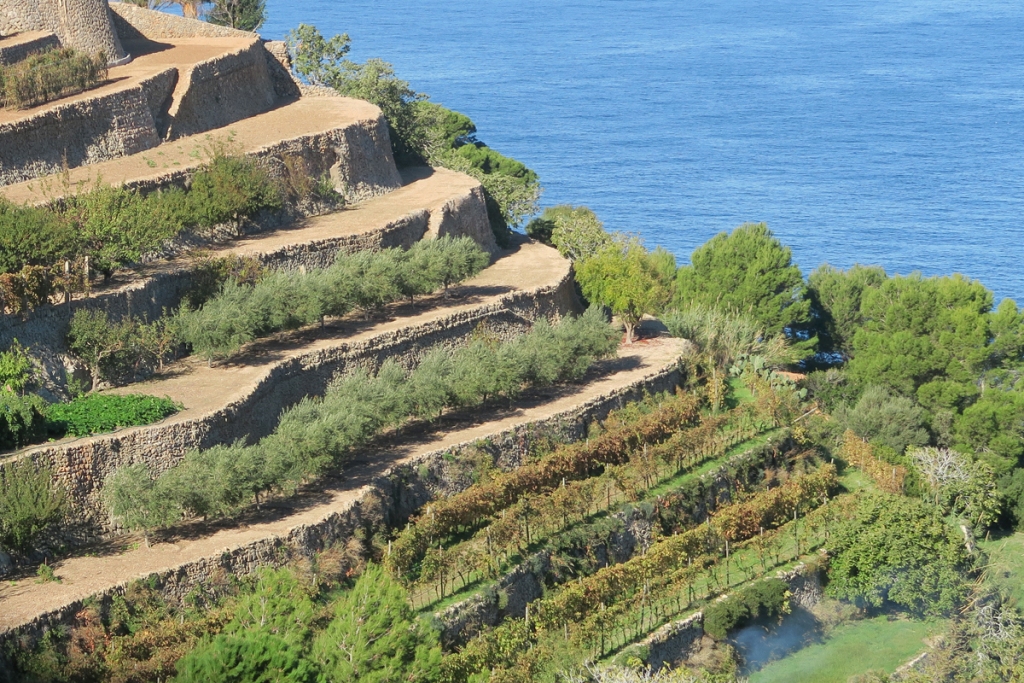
(24, 601)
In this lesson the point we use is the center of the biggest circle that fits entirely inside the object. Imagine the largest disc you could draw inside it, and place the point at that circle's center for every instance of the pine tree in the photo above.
(375, 635)
(245, 15)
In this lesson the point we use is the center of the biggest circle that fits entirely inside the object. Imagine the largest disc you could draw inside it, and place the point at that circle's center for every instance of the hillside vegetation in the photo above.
(852, 430)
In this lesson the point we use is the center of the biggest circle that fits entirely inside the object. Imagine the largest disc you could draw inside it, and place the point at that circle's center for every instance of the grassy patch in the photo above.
(1005, 571)
(853, 649)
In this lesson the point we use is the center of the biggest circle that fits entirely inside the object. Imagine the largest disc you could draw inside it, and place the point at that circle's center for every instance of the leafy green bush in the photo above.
(114, 226)
(283, 300)
(22, 419)
(884, 419)
(29, 503)
(575, 231)
(48, 75)
(97, 413)
(760, 600)
(317, 434)
(15, 368)
(33, 236)
(118, 351)
(898, 550)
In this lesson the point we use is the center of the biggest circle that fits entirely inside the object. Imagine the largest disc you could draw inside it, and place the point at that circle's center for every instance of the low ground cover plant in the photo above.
(48, 75)
(95, 413)
(29, 419)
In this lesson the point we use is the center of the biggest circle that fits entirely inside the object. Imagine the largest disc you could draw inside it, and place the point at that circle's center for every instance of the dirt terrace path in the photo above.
(422, 188)
(203, 389)
(85, 576)
(306, 116)
(149, 58)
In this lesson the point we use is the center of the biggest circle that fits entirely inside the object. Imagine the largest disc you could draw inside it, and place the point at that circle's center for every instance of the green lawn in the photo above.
(1005, 571)
(852, 649)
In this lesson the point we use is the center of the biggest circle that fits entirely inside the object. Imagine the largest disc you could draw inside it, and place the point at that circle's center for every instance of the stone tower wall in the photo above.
(82, 24)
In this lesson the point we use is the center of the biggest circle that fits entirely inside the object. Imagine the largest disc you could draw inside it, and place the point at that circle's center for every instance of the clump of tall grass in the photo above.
(49, 75)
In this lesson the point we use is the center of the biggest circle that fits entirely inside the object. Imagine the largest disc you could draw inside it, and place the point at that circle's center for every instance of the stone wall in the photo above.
(279, 63)
(16, 51)
(85, 131)
(211, 94)
(82, 24)
(466, 215)
(138, 23)
(387, 501)
(221, 90)
(82, 465)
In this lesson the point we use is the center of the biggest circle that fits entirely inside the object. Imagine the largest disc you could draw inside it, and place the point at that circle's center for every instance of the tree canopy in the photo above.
(624, 277)
(918, 330)
(245, 15)
(375, 635)
(747, 271)
(897, 549)
(575, 231)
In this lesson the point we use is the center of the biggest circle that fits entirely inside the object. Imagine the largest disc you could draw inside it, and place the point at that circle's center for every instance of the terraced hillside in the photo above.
(172, 78)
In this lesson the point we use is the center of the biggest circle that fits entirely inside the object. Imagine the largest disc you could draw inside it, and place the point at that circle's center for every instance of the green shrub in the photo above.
(283, 300)
(118, 351)
(885, 419)
(22, 419)
(229, 188)
(15, 368)
(29, 503)
(901, 551)
(33, 236)
(48, 75)
(316, 434)
(762, 599)
(115, 226)
(96, 413)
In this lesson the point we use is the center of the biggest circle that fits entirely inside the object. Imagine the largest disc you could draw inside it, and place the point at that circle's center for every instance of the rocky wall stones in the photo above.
(138, 23)
(17, 51)
(221, 90)
(84, 131)
(466, 215)
(85, 25)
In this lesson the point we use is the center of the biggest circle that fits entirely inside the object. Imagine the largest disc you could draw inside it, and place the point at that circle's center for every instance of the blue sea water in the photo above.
(885, 132)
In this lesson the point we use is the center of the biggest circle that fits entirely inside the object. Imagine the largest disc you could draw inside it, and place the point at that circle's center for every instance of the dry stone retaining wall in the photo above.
(82, 24)
(85, 131)
(221, 90)
(15, 52)
(388, 501)
(81, 466)
(138, 23)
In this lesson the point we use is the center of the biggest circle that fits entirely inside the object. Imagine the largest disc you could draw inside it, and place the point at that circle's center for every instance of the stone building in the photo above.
(83, 24)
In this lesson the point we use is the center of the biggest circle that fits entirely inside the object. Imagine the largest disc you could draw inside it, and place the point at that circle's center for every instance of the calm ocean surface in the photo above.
(866, 131)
